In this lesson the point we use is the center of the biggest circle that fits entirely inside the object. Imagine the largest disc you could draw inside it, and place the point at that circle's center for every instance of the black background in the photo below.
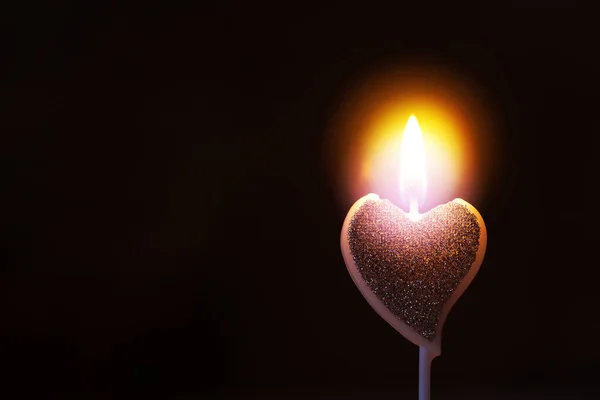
(168, 228)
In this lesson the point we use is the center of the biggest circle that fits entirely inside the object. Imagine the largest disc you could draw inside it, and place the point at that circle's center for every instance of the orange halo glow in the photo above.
(445, 163)
(366, 138)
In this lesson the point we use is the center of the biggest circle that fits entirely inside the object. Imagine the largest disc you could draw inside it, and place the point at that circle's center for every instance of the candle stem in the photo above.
(424, 373)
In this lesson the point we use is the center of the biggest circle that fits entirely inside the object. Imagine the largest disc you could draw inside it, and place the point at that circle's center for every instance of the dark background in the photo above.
(168, 228)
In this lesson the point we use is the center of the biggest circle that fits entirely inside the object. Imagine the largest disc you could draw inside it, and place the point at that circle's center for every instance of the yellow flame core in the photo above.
(413, 179)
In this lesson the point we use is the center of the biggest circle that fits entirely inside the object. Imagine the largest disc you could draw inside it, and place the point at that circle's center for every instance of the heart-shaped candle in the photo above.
(411, 267)
(413, 271)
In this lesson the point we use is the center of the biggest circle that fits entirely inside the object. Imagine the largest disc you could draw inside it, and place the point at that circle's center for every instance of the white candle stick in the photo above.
(424, 373)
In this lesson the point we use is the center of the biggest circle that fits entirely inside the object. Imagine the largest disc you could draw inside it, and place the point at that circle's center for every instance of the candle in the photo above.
(412, 267)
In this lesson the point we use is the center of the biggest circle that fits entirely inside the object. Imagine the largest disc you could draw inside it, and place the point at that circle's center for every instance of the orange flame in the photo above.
(365, 146)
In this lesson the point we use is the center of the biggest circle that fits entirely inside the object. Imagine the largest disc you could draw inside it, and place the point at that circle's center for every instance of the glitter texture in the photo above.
(413, 267)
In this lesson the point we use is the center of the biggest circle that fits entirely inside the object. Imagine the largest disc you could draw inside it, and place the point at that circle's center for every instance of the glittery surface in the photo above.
(413, 266)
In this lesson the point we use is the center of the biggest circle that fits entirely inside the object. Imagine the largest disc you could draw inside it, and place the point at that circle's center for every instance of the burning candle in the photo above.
(412, 267)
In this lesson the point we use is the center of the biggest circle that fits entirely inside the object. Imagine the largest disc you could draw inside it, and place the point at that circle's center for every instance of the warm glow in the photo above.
(413, 179)
(366, 138)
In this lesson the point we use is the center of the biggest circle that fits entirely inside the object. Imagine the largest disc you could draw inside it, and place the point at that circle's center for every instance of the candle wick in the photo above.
(414, 208)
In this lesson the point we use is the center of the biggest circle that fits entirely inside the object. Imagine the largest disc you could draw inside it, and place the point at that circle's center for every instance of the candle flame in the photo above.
(413, 180)
(365, 136)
